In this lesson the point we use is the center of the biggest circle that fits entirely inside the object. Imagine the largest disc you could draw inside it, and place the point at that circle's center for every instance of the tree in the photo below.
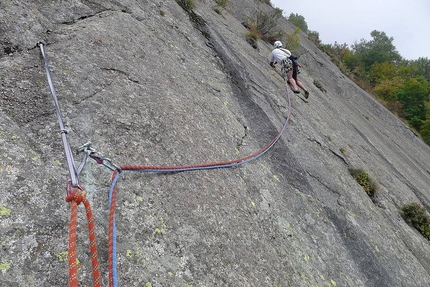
(425, 128)
(413, 94)
(299, 21)
(423, 67)
(384, 71)
(378, 50)
(387, 89)
(353, 63)
(314, 36)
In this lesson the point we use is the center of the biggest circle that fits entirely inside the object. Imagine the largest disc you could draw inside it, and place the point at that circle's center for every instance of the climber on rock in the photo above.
(289, 68)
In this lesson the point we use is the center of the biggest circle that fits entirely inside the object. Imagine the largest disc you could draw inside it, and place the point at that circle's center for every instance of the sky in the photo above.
(349, 21)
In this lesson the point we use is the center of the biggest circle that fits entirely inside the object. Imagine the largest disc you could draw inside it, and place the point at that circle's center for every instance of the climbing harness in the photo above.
(76, 193)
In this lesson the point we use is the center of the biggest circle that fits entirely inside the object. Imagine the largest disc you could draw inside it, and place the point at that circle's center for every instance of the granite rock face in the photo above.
(149, 83)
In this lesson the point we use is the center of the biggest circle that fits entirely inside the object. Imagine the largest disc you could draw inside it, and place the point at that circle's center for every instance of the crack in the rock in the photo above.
(325, 185)
(315, 141)
(242, 139)
(331, 150)
(122, 73)
(339, 156)
(340, 195)
(93, 94)
(73, 21)
(127, 75)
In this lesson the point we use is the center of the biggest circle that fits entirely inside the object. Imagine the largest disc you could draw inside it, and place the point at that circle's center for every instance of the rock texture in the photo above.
(150, 83)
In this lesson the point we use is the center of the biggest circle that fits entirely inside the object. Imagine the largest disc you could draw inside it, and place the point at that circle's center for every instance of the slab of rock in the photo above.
(149, 83)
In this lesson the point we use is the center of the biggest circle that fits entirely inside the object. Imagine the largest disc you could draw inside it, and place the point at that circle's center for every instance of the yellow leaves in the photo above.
(387, 89)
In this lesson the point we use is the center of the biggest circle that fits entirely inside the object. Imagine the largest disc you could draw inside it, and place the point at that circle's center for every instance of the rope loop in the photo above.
(77, 196)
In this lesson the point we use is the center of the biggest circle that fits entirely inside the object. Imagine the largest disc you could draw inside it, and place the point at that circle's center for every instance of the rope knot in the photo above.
(76, 196)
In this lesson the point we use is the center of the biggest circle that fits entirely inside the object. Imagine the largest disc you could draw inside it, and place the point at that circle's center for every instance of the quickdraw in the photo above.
(76, 193)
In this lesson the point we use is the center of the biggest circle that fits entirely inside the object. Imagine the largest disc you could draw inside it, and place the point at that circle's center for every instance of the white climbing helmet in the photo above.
(277, 44)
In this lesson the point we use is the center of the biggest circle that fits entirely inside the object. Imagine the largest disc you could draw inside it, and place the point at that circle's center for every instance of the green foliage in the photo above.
(376, 66)
(389, 70)
(253, 31)
(387, 80)
(425, 128)
(378, 50)
(364, 180)
(299, 21)
(222, 3)
(354, 64)
(292, 41)
(405, 90)
(266, 21)
(187, 4)
(387, 89)
(384, 71)
(314, 36)
(423, 67)
(262, 24)
(412, 94)
(416, 216)
(337, 53)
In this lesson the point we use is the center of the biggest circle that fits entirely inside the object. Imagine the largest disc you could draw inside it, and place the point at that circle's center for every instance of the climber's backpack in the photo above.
(295, 60)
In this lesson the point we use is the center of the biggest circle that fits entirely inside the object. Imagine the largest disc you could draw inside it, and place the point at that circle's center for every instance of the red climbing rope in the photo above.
(75, 197)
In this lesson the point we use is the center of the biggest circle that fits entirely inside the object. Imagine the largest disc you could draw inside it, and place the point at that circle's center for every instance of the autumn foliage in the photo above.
(403, 86)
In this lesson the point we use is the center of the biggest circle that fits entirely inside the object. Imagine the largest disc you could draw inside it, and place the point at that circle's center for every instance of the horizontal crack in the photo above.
(122, 73)
(73, 21)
